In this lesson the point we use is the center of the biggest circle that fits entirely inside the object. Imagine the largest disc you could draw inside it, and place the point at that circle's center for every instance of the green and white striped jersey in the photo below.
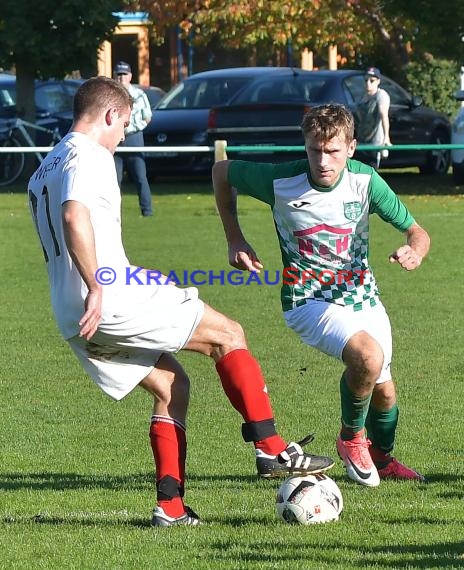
(323, 232)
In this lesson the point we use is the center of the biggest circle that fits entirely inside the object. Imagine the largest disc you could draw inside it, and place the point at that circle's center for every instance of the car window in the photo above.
(354, 88)
(52, 98)
(312, 88)
(7, 99)
(154, 95)
(398, 96)
(282, 90)
(202, 93)
(71, 87)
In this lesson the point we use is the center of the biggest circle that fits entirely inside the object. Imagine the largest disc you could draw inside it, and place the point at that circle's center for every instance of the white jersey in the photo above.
(79, 169)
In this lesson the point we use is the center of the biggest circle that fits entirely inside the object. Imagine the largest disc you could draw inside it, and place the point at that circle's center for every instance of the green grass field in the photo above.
(76, 471)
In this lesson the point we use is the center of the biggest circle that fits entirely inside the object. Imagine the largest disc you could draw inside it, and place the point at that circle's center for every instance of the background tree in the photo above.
(439, 26)
(248, 23)
(50, 39)
(398, 30)
(402, 31)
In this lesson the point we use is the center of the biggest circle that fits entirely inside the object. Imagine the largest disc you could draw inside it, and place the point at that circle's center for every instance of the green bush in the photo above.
(436, 81)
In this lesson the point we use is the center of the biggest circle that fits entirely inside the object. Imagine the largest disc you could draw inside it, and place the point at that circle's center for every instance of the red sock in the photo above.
(169, 445)
(244, 385)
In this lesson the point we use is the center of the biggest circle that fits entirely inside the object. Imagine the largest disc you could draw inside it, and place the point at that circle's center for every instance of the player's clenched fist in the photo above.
(406, 257)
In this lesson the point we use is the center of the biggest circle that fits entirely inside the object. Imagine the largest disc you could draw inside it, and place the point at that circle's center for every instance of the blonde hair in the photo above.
(324, 122)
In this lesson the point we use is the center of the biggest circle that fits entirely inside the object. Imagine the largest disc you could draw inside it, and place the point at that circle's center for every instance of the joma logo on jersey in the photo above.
(352, 210)
(327, 242)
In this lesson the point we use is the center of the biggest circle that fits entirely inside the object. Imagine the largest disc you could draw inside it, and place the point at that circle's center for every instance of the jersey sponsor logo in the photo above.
(322, 227)
(329, 242)
(352, 210)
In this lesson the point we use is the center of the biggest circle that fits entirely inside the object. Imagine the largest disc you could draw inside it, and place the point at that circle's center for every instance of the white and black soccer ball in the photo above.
(310, 499)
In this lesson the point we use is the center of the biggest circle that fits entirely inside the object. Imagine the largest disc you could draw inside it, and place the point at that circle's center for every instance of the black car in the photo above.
(181, 119)
(53, 99)
(265, 107)
(268, 112)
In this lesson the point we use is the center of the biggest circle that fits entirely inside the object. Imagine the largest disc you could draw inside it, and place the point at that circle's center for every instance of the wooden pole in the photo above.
(220, 150)
(332, 57)
(307, 61)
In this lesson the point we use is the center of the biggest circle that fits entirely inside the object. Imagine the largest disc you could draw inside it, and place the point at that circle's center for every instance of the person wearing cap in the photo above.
(373, 125)
(139, 119)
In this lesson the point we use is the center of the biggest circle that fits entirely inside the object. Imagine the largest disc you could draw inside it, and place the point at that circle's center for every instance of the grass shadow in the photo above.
(436, 555)
(416, 184)
(408, 183)
(174, 185)
(65, 481)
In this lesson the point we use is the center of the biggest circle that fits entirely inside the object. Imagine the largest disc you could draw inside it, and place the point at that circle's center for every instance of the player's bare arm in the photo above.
(410, 256)
(241, 254)
(385, 123)
(80, 242)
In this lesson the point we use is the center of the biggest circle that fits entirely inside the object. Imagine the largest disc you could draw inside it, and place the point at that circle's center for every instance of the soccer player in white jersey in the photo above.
(125, 334)
(321, 207)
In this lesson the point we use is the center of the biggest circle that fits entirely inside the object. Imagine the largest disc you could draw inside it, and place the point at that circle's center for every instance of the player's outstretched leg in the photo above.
(223, 339)
(244, 384)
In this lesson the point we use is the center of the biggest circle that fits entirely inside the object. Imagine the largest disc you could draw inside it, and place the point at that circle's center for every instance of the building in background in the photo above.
(131, 43)
(166, 64)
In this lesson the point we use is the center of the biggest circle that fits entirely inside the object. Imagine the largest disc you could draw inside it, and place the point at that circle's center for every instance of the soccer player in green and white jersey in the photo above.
(321, 207)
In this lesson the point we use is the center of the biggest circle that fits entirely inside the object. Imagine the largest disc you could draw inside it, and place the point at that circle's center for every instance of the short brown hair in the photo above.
(97, 94)
(324, 122)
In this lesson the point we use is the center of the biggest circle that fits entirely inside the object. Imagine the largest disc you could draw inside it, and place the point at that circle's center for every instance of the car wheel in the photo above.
(458, 173)
(437, 161)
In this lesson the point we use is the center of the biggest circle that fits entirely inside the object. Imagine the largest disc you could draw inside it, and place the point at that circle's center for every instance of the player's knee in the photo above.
(231, 337)
(171, 388)
(364, 357)
(234, 335)
(384, 395)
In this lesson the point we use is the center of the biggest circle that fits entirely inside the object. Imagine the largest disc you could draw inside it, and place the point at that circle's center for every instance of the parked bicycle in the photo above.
(14, 136)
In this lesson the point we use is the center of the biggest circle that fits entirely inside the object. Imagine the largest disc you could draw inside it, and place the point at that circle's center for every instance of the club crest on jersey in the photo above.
(352, 210)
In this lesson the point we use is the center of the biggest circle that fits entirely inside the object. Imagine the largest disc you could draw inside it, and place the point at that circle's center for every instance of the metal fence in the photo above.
(247, 148)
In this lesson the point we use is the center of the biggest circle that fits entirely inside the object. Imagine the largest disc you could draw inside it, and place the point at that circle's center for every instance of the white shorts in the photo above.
(122, 353)
(328, 327)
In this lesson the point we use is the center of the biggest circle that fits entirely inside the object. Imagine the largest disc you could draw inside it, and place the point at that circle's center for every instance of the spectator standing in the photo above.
(373, 125)
(139, 119)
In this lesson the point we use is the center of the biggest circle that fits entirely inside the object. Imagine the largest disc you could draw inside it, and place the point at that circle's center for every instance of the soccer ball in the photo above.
(310, 499)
